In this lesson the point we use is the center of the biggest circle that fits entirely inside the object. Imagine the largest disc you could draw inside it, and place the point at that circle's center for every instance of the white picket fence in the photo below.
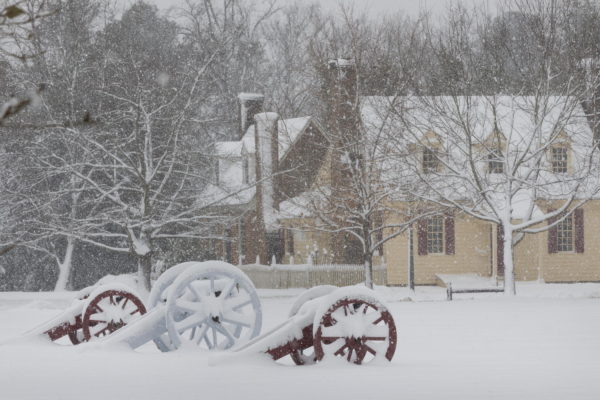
(283, 276)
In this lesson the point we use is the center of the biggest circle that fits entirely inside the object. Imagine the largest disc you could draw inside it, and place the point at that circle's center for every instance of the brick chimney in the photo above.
(250, 105)
(342, 124)
(591, 104)
(342, 115)
(267, 198)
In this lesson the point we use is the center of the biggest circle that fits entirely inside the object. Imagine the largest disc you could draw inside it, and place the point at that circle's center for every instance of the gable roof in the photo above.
(516, 117)
(289, 131)
(519, 120)
(231, 175)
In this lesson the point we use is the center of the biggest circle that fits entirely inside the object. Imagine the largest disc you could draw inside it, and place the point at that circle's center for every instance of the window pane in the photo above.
(564, 234)
(430, 161)
(435, 234)
(559, 160)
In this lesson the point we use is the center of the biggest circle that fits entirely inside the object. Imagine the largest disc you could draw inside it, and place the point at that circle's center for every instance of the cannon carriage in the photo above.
(214, 306)
(96, 311)
(326, 321)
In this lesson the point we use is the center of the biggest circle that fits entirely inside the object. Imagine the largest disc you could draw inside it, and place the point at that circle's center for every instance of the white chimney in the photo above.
(267, 158)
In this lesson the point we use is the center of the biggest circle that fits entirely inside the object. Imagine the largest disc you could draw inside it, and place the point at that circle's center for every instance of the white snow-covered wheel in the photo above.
(158, 295)
(213, 305)
(108, 308)
(353, 323)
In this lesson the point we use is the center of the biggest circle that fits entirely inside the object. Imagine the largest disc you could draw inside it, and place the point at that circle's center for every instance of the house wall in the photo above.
(527, 257)
(472, 255)
(570, 267)
(310, 245)
(475, 252)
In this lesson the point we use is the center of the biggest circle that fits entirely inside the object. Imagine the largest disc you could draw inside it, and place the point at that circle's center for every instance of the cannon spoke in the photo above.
(228, 289)
(209, 344)
(188, 306)
(370, 349)
(340, 351)
(223, 330)
(214, 336)
(360, 354)
(190, 322)
(238, 319)
(235, 303)
(198, 295)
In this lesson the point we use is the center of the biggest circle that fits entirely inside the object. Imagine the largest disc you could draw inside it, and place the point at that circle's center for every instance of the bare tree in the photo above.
(356, 204)
(503, 158)
(18, 20)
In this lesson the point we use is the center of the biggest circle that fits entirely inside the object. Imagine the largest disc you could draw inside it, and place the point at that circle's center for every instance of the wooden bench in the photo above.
(450, 291)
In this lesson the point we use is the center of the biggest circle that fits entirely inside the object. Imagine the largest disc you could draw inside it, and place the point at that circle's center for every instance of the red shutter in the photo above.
(552, 235)
(449, 233)
(422, 237)
(500, 248)
(290, 241)
(579, 237)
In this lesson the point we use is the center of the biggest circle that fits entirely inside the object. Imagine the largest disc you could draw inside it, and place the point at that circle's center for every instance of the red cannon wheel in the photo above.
(110, 310)
(358, 329)
(76, 337)
(302, 355)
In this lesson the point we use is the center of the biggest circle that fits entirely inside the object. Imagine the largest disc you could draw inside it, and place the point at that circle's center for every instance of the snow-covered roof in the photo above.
(521, 127)
(227, 195)
(231, 173)
(516, 117)
(250, 96)
(229, 149)
(303, 204)
(289, 130)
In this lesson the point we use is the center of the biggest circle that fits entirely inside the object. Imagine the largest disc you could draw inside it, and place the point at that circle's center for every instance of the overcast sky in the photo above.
(375, 7)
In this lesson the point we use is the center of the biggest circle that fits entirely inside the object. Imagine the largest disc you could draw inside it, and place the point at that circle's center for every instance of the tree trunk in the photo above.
(509, 268)
(145, 269)
(65, 266)
(411, 261)
(368, 263)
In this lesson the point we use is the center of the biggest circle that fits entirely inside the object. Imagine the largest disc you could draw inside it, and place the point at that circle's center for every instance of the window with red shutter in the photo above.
(564, 235)
(449, 233)
(290, 241)
(579, 231)
(435, 234)
(500, 248)
(552, 235)
(422, 237)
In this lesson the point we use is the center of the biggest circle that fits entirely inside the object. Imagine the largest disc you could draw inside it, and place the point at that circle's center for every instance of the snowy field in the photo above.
(545, 344)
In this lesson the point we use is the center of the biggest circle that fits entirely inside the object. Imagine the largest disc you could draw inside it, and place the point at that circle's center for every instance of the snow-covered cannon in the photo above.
(326, 321)
(97, 311)
(211, 305)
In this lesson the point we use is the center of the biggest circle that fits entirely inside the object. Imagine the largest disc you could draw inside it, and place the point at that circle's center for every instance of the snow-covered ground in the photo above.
(544, 344)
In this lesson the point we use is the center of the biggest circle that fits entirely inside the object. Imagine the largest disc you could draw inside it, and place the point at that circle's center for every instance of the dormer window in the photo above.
(495, 164)
(559, 159)
(430, 161)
